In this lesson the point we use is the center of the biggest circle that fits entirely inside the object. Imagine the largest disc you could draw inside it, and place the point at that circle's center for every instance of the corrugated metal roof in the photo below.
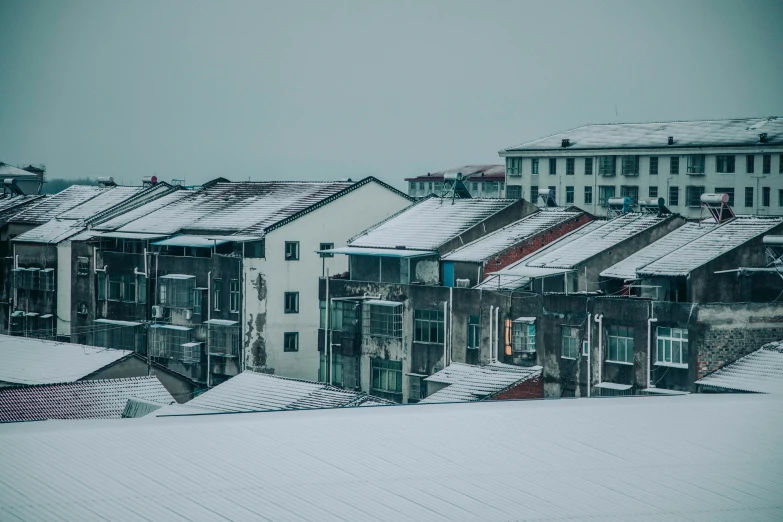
(52, 231)
(704, 133)
(429, 223)
(60, 203)
(474, 383)
(9, 202)
(111, 197)
(759, 372)
(626, 269)
(252, 391)
(26, 360)
(696, 457)
(500, 282)
(7, 170)
(148, 208)
(709, 246)
(101, 399)
(491, 172)
(493, 244)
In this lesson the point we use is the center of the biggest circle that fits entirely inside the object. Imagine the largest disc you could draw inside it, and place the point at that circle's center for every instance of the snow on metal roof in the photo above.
(190, 241)
(100, 399)
(26, 360)
(704, 249)
(10, 203)
(144, 210)
(588, 241)
(252, 391)
(474, 383)
(492, 172)
(52, 231)
(759, 372)
(695, 457)
(705, 133)
(496, 242)
(60, 203)
(7, 170)
(678, 238)
(429, 223)
(382, 252)
(112, 197)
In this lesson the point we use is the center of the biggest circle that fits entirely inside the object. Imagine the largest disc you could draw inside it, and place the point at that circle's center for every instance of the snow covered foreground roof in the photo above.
(630, 459)
(26, 360)
(51, 232)
(60, 203)
(100, 399)
(252, 391)
(704, 133)
(474, 383)
(429, 223)
(759, 372)
(508, 236)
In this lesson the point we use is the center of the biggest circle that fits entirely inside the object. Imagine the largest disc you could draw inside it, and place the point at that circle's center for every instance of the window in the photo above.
(630, 165)
(475, 187)
(693, 196)
(780, 198)
(386, 376)
(652, 191)
(115, 287)
(417, 388)
(570, 166)
(176, 290)
(322, 313)
(474, 331)
(654, 165)
(326, 246)
(766, 193)
(129, 288)
(233, 294)
(533, 193)
(523, 336)
(514, 192)
(780, 163)
(428, 326)
(674, 165)
(569, 342)
(344, 369)
(748, 196)
(585, 348)
(198, 299)
(82, 265)
(750, 163)
(412, 190)
(725, 164)
(570, 195)
(604, 193)
(631, 191)
(216, 291)
(166, 341)
(81, 308)
(421, 185)
(383, 319)
(588, 195)
(766, 164)
(292, 250)
(141, 286)
(101, 286)
(726, 190)
(695, 164)
(552, 166)
(534, 166)
(674, 196)
(291, 342)
(588, 166)
(514, 166)
(606, 165)
(620, 341)
(672, 346)
(291, 302)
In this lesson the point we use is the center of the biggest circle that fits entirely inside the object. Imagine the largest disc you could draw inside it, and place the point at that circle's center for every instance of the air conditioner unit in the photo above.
(157, 312)
(188, 314)
(463, 283)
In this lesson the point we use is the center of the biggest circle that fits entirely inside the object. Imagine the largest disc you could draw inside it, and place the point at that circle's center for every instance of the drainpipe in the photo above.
(329, 339)
(326, 331)
(445, 334)
(589, 346)
(600, 320)
(209, 318)
(491, 315)
(451, 318)
(497, 333)
(650, 321)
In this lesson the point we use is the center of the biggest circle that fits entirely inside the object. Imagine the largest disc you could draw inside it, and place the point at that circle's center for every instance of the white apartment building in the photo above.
(677, 161)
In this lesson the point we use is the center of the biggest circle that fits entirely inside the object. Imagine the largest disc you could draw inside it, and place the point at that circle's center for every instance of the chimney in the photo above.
(565, 142)
(763, 137)
(671, 140)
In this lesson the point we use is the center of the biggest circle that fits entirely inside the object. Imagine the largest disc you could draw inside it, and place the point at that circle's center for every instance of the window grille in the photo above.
(382, 319)
(534, 166)
(428, 326)
(674, 196)
(416, 388)
(748, 196)
(750, 163)
(674, 165)
(474, 331)
(672, 345)
(234, 297)
(620, 344)
(654, 165)
(514, 192)
(569, 341)
(166, 342)
(570, 166)
(588, 195)
(724, 164)
(569, 195)
(115, 287)
(523, 337)
(652, 192)
(350, 372)
(606, 165)
(224, 340)
(693, 196)
(386, 376)
(175, 290)
(766, 164)
(588, 166)
(82, 265)
(552, 166)
(630, 165)
(191, 353)
(604, 193)
(696, 164)
(514, 166)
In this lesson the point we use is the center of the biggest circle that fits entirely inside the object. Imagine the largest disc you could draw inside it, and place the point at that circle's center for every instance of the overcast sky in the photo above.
(325, 90)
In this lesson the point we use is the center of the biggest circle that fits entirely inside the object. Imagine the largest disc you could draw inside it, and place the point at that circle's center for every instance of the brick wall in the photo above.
(724, 346)
(532, 388)
(533, 243)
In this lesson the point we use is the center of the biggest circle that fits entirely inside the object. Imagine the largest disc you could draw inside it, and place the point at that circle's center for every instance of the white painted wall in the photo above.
(711, 180)
(335, 222)
(63, 285)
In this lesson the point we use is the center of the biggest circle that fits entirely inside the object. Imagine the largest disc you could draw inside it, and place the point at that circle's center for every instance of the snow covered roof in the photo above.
(626, 269)
(25, 360)
(694, 457)
(705, 133)
(704, 249)
(129, 216)
(474, 383)
(52, 231)
(429, 223)
(111, 197)
(759, 372)
(252, 391)
(100, 399)
(7, 170)
(500, 281)
(10, 203)
(496, 242)
(490, 172)
(51, 207)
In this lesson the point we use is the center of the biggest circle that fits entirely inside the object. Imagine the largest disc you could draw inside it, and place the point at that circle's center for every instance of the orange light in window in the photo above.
(508, 337)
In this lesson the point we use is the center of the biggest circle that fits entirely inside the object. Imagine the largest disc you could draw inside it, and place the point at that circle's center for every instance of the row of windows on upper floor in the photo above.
(417, 188)
(692, 194)
(630, 165)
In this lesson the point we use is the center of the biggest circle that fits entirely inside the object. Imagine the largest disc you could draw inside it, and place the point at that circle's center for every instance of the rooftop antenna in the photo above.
(718, 207)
